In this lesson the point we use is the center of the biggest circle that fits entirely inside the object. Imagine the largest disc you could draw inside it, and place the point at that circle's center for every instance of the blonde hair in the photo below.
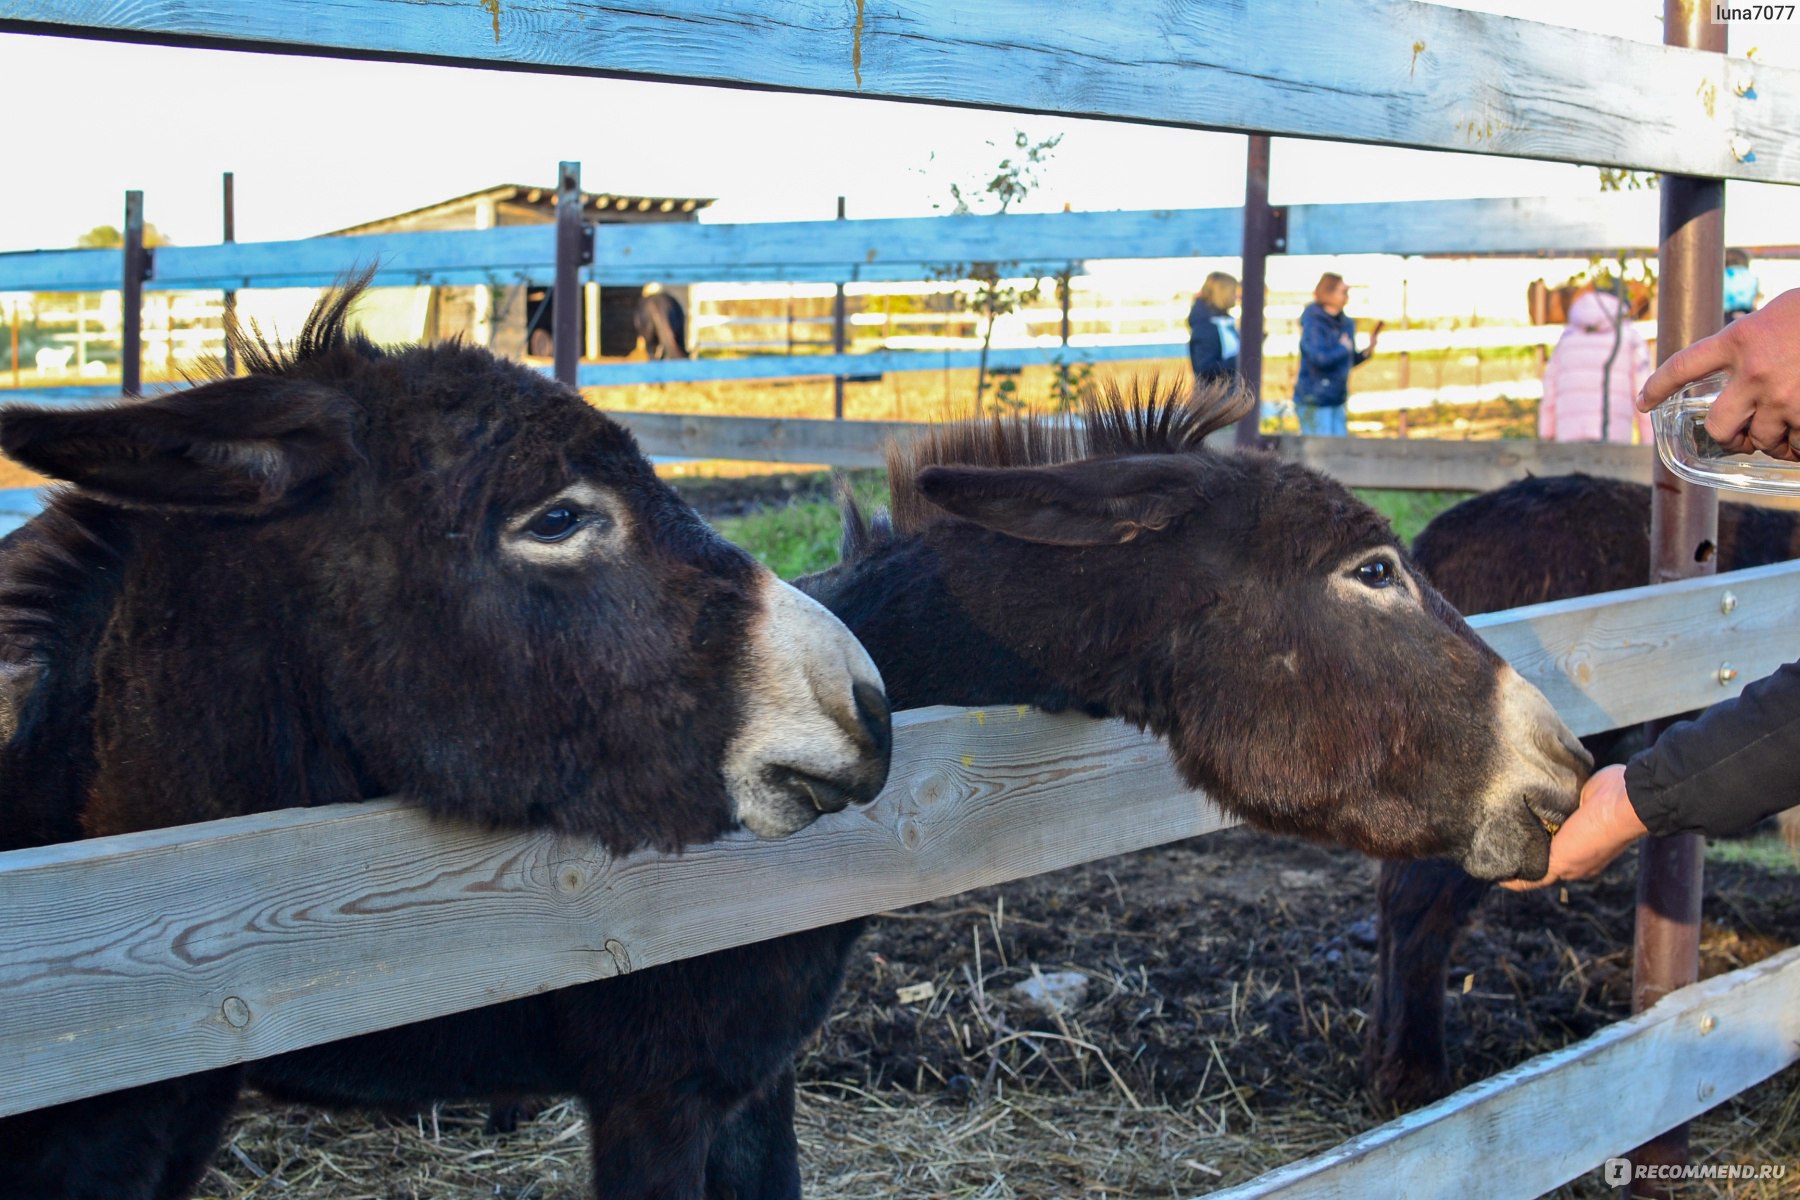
(1329, 282)
(1220, 290)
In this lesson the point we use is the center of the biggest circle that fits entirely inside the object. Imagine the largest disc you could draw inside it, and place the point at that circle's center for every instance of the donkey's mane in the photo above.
(325, 334)
(1146, 416)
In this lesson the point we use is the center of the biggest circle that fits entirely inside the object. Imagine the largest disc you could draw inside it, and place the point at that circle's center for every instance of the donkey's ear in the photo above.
(1094, 503)
(236, 446)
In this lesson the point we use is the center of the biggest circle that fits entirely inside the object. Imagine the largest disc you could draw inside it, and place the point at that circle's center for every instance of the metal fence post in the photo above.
(1684, 523)
(1265, 233)
(230, 296)
(837, 339)
(572, 250)
(135, 267)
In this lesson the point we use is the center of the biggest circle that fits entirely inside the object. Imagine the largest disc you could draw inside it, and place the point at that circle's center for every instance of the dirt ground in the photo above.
(1219, 1037)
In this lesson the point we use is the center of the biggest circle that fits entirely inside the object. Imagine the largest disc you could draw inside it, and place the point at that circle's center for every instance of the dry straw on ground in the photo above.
(1218, 1038)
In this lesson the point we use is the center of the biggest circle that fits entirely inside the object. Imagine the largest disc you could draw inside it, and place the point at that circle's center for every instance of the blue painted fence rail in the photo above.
(870, 250)
(1389, 71)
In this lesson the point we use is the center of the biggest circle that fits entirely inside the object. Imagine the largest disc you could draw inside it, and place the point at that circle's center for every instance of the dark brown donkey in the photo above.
(358, 572)
(1527, 543)
(1257, 616)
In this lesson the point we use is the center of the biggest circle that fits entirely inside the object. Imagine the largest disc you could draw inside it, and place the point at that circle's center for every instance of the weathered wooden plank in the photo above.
(121, 952)
(1620, 658)
(1560, 1115)
(800, 366)
(877, 250)
(1423, 464)
(847, 249)
(1387, 71)
(763, 439)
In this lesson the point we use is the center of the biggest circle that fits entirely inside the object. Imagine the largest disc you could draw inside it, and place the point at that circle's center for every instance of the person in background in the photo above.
(1213, 335)
(1741, 286)
(1733, 765)
(1327, 353)
(1594, 375)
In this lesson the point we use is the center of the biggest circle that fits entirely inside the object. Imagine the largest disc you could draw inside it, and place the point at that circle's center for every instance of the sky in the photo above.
(318, 144)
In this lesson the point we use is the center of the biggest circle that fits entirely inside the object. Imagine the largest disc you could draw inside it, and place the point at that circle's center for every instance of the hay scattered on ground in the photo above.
(1219, 1037)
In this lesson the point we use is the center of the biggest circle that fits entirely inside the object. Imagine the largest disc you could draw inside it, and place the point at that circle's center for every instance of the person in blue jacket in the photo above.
(1327, 352)
(1213, 335)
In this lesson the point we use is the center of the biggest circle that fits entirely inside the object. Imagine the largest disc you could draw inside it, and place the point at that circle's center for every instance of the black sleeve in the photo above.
(1737, 763)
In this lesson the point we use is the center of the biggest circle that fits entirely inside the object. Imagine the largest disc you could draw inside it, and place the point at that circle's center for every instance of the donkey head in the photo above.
(429, 571)
(1263, 620)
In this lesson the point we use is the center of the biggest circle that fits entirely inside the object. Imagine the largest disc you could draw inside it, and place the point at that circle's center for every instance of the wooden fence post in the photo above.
(1684, 523)
(135, 267)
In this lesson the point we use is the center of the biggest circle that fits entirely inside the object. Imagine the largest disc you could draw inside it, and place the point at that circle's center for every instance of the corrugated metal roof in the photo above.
(598, 205)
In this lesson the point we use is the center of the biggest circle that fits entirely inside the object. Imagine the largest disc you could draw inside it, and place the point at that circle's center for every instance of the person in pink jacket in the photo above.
(1578, 371)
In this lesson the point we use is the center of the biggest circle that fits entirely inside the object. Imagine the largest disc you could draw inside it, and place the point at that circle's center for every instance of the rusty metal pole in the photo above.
(1265, 233)
(571, 242)
(1684, 522)
(134, 267)
(230, 296)
(837, 339)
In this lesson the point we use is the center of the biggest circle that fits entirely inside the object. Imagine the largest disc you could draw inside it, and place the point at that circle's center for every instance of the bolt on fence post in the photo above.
(1684, 522)
(135, 266)
(571, 240)
(230, 235)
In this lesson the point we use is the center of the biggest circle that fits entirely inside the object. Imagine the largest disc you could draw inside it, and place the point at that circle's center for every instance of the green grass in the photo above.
(1409, 512)
(802, 537)
(1766, 850)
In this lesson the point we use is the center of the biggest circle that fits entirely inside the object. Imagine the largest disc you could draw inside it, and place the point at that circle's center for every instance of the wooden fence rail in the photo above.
(1525, 1132)
(1404, 465)
(133, 958)
(1389, 71)
(891, 249)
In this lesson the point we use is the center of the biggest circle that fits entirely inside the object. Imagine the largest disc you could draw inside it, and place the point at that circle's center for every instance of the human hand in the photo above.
(1595, 833)
(1760, 407)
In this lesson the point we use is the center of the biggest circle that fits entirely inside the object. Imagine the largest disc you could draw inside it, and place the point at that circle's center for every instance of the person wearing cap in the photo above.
(1735, 763)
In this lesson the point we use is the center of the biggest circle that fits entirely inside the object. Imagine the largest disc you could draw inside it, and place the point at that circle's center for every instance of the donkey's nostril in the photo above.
(822, 794)
(877, 721)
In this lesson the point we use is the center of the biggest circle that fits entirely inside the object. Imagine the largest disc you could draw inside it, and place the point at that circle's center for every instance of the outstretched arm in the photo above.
(1760, 408)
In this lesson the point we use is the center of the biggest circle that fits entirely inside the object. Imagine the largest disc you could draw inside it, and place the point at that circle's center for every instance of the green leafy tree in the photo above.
(996, 294)
(108, 237)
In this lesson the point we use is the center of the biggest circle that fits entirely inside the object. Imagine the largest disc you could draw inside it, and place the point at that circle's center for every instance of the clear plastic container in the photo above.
(1691, 452)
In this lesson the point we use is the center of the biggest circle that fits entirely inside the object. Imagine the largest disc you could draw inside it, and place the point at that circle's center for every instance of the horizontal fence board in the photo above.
(1426, 464)
(882, 249)
(1391, 72)
(1388, 71)
(329, 922)
(121, 952)
(1526, 1131)
(1619, 658)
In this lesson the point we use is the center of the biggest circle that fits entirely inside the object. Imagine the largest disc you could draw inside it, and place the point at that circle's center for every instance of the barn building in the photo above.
(514, 319)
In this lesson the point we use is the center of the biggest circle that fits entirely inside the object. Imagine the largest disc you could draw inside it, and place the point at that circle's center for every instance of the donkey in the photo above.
(356, 572)
(1257, 616)
(1529, 542)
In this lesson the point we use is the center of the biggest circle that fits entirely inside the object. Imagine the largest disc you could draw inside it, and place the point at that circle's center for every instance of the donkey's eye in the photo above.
(1376, 573)
(554, 524)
